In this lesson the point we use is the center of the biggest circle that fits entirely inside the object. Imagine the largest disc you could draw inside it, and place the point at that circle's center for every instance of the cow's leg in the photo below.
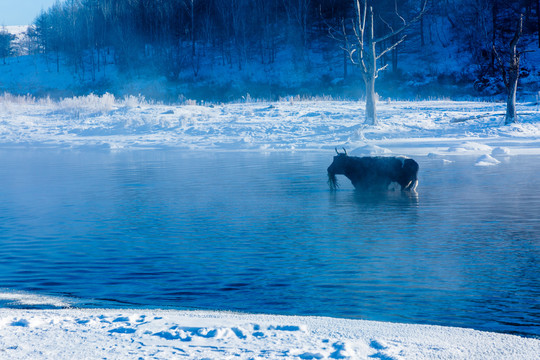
(405, 187)
(411, 186)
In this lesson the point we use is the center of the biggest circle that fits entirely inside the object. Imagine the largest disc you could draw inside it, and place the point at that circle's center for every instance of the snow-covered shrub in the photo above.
(131, 101)
(185, 101)
(17, 99)
(89, 104)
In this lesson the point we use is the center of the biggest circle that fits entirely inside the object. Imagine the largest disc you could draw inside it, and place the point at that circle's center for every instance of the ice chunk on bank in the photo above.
(486, 160)
(470, 147)
(439, 157)
(500, 152)
(367, 150)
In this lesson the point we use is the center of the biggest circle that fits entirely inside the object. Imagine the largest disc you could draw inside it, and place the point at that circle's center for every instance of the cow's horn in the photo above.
(337, 152)
(344, 151)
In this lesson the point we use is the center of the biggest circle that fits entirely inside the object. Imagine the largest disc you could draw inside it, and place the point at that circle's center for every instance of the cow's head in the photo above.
(337, 168)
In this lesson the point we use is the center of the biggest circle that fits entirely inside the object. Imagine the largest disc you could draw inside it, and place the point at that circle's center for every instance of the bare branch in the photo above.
(404, 26)
(361, 16)
(518, 33)
(503, 68)
(381, 69)
(390, 48)
(351, 56)
(332, 33)
(343, 38)
(399, 16)
(387, 24)
(359, 33)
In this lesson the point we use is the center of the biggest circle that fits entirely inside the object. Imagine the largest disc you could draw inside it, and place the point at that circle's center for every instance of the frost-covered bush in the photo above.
(9, 101)
(182, 100)
(6, 98)
(90, 103)
(131, 101)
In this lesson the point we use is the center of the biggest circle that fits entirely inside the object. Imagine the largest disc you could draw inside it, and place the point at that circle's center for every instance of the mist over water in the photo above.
(257, 232)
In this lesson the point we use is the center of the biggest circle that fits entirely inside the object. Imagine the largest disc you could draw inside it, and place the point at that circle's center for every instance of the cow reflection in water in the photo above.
(374, 173)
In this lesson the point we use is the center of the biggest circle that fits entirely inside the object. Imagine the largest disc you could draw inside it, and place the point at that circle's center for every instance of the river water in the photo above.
(262, 233)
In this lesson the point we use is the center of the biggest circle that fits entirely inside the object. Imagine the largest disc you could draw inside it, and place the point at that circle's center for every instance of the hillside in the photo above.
(438, 59)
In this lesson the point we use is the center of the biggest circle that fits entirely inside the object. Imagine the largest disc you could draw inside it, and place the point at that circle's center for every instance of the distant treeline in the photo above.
(174, 36)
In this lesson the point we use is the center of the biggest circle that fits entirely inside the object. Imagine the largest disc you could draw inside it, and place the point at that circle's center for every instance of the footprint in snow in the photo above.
(287, 328)
(123, 330)
(378, 345)
(187, 333)
(240, 333)
(310, 356)
(121, 319)
(21, 322)
(342, 351)
(174, 335)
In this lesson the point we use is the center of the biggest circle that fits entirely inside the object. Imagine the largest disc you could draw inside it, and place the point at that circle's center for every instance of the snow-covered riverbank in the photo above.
(415, 128)
(161, 334)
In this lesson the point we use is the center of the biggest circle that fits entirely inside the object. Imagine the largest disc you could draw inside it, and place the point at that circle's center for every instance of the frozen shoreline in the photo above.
(165, 334)
(413, 128)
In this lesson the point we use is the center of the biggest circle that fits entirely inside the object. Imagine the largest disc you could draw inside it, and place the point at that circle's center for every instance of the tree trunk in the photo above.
(395, 60)
(511, 97)
(345, 61)
(422, 42)
(513, 76)
(370, 73)
(192, 16)
(371, 101)
(394, 53)
(494, 11)
(538, 20)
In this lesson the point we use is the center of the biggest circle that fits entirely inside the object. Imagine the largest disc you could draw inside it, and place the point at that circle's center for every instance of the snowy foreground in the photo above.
(149, 334)
(438, 129)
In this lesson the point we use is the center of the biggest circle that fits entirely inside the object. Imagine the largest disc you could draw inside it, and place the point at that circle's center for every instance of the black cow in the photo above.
(374, 173)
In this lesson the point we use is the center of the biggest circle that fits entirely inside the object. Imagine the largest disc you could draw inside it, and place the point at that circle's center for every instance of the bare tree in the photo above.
(510, 74)
(362, 50)
(298, 13)
(538, 20)
(190, 7)
(5, 44)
